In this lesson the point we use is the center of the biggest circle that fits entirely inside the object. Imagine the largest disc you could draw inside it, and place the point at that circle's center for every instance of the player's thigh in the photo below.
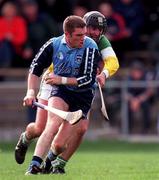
(66, 131)
(54, 121)
(58, 103)
(80, 128)
(41, 115)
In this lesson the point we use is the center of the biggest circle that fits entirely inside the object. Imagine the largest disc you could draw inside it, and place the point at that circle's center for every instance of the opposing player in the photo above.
(96, 26)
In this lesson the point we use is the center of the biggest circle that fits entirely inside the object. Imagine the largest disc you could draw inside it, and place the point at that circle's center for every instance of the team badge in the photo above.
(78, 58)
(60, 55)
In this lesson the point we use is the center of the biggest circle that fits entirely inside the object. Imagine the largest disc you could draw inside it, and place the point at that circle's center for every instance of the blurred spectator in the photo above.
(139, 97)
(133, 13)
(151, 9)
(79, 10)
(116, 29)
(13, 35)
(91, 5)
(41, 27)
(58, 9)
(117, 32)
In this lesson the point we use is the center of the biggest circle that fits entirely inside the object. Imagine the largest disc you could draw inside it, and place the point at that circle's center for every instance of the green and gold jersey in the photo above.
(110, 60)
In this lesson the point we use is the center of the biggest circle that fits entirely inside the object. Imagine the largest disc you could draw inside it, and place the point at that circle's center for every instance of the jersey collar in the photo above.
(63, 40)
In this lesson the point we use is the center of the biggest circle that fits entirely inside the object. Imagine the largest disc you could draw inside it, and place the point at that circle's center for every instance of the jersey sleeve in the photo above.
(42, 60)
(88, 67)
(109, 57)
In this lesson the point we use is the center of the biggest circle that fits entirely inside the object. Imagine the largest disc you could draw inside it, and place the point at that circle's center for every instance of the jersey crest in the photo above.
(79, 58)
(60, 55)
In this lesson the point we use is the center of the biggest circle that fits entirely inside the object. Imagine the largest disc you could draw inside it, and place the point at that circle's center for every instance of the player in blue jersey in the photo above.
(96, 27)
(75, 58)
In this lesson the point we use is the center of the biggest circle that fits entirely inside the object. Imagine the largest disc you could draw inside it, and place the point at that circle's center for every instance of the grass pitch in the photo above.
(98, 160)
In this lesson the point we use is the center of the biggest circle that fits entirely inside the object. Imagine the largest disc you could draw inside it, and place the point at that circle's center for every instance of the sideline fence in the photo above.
(12, 112)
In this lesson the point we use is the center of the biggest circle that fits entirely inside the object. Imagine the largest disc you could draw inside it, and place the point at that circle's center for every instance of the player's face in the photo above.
(94, 32)
(76, 39)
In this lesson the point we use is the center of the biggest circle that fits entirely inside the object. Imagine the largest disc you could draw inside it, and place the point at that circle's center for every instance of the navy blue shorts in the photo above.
(75, 100)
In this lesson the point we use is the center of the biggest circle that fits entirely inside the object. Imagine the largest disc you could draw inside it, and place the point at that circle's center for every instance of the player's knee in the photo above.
(34, 130)
(58, 146)
(31, 125)
(82, 129)
(38, 131)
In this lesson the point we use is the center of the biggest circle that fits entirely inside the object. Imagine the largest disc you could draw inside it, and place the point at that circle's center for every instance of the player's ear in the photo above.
(67, 33)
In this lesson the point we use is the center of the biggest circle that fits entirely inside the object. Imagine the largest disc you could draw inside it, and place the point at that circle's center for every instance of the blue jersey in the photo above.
(80, 63)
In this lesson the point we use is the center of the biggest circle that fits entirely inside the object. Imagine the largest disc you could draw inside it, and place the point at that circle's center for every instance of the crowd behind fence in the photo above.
(123, 86)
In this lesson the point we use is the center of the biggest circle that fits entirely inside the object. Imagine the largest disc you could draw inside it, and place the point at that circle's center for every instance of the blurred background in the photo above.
(131, 95)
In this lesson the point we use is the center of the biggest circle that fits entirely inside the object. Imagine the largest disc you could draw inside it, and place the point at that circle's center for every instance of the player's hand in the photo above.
(135, 104)
(28, 101)
(101, 79)
(29, 98)
(53, 79)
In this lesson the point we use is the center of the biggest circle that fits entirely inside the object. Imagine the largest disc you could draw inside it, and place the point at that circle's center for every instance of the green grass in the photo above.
(99, 160)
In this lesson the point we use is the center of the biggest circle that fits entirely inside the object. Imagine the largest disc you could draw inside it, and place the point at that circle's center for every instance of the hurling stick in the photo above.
(103, 108)
(71, 117)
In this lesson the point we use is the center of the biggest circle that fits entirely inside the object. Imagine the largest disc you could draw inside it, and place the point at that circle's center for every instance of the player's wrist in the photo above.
(64, 80)
(106, 73)
(30, 93)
